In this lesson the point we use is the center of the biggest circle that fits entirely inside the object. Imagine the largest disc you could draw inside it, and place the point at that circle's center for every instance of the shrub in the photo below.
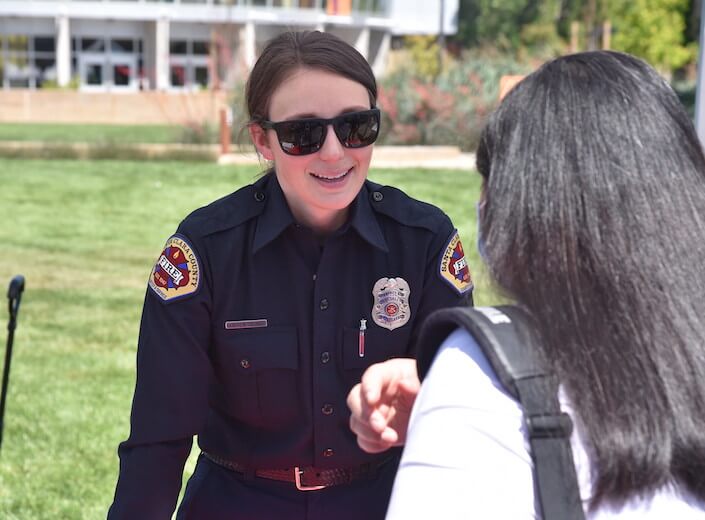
(417, 109)
(198, 132)
(448, 111)
(106, 151)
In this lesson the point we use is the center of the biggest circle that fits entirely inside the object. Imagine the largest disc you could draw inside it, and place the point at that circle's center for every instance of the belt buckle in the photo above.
(297, 479)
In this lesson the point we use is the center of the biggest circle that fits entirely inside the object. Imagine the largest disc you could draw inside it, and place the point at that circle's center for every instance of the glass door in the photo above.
(108, 73)
(123, 73)
(93, 72)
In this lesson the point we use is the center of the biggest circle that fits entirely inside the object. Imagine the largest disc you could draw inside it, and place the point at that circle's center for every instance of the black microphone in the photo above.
(14, 295)
(16, 287)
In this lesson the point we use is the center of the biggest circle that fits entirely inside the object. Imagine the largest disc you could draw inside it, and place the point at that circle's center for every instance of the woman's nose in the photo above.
(332, 148)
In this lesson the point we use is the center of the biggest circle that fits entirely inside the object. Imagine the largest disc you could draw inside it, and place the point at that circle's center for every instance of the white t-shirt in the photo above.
(467, 453)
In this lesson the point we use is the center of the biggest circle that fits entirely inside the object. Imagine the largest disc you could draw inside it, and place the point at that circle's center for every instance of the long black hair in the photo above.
(594, 219)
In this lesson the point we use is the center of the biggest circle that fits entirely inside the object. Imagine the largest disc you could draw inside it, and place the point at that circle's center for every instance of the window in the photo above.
(201, 76)
(189, 63)
(43, 45)
(179, 47)
(18, 43)
(92, 45)
(106, 62)
(201, 48)
(26, 61)
(178, 76)
(121, 75)
(94, 74)
(46, 68)
(121, 45)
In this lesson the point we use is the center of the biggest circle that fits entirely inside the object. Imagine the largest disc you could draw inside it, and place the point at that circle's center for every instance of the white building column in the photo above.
(362, 42)
(161, 51)
(379, 65)
(248, 45)
(63, 51)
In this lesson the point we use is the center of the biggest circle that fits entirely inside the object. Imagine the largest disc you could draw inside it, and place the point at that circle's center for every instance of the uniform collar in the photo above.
(277, 216)
(364, 219)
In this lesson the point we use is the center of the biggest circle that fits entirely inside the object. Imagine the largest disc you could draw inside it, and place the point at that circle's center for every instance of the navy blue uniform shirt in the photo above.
(250, 333)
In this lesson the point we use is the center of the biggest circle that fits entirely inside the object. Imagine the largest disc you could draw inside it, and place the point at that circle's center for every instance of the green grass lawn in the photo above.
(93, 134)
(85, 235)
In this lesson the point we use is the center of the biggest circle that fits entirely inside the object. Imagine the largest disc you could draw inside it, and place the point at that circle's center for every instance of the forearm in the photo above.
(150, 480)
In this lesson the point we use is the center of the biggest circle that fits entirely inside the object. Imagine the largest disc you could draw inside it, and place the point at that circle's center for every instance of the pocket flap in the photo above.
(262, 349)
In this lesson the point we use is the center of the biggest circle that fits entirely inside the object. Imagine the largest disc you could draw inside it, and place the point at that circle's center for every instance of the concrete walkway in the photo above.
(391, 157)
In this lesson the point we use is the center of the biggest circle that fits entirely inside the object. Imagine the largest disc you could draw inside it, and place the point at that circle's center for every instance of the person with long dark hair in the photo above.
(592, 218)
(266, 306)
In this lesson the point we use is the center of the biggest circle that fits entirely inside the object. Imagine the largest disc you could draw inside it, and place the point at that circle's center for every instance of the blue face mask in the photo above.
(480, 239)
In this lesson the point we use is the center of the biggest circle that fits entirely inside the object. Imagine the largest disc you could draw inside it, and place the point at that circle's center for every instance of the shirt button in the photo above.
(327, 409)
(314, 277)
(325, 357)
(377, 196)
(324, 304)
(245, 363)
(259, 196)
(328, 452)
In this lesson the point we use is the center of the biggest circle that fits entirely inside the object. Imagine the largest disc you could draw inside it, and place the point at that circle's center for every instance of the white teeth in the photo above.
(325, 178)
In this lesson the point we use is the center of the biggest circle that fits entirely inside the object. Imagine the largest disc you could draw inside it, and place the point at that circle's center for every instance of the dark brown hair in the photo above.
(292, 50)
(595, 196)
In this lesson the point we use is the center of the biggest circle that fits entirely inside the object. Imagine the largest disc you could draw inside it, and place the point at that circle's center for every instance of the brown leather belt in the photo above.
(305, 478)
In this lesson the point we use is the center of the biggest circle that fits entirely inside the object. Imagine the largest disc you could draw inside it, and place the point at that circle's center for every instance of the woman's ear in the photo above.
(261, 141)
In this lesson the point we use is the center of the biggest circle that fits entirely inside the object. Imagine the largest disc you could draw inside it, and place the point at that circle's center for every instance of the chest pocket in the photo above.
(258, 375)
(380, 345)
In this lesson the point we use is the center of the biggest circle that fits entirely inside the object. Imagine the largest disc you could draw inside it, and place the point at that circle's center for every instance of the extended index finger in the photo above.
(378, 380)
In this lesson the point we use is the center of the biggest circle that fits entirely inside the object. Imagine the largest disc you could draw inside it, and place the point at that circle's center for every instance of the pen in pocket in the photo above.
(361, 338)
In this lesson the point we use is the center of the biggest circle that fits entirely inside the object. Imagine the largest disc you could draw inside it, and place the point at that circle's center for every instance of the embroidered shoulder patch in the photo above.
(453, 266)
(177, 272)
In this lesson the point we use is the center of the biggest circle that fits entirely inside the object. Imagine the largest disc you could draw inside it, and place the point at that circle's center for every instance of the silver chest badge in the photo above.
(391, 303)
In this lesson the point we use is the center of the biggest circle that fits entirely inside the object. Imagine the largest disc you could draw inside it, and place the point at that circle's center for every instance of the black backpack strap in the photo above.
(504, 334)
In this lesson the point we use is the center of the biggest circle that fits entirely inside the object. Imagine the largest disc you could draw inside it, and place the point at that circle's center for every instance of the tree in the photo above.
(510, 25)
(498, 22)
(663, 32)
(654, 30)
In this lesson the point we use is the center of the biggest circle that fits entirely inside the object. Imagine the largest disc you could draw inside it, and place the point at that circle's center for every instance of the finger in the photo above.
(370, 385)
(364, 433)
(378, 380)
(378, 420)
(389, 437)
(354, 400)
(360, 407)
(379, 443)
(372, 425)
(410, 385)
(407, 391)
(373, 446)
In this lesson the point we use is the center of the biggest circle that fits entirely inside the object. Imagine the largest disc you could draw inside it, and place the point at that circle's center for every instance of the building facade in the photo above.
(182, 45)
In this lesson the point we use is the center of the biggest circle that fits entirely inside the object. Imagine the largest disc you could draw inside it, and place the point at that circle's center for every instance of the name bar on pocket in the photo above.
(245, 324)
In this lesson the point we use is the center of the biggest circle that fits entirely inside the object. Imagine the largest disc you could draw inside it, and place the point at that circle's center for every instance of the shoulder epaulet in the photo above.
(505, 336)
(229, 211)
(406, 210)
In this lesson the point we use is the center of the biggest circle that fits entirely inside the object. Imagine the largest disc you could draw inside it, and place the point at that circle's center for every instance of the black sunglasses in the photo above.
(306, 136)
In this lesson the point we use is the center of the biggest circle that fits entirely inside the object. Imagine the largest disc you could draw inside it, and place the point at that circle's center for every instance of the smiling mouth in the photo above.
(331, 179)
